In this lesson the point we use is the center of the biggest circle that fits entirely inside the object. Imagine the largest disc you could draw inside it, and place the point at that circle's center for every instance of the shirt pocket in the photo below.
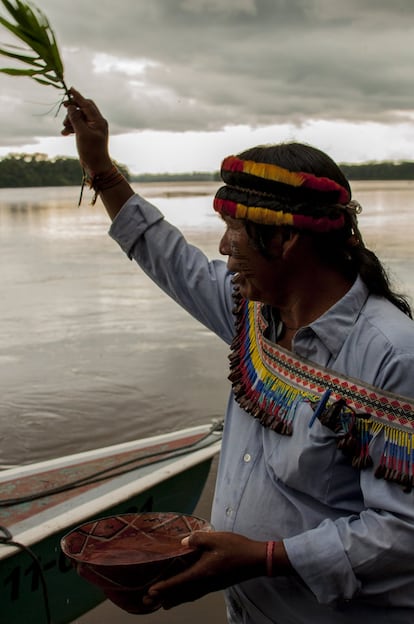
(310, 462)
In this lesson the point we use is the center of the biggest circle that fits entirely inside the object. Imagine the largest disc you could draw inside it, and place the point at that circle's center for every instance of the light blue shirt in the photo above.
(348, 535)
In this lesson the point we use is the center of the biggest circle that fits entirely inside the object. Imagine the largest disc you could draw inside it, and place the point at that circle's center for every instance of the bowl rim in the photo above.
(186, 550)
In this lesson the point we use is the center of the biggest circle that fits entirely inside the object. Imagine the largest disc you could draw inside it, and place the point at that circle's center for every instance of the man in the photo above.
(313, 504)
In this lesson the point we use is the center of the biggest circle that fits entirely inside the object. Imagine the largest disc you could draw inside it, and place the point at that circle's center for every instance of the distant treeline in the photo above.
(365, 171)
(379, 171)
(22, 170)
(195, 176)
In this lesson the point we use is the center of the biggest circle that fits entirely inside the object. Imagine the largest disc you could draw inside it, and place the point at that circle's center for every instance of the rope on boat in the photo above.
(101, 475)
(7, 539)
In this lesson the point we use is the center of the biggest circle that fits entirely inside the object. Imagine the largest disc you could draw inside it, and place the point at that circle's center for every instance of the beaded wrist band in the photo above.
(270, 547)
(101, 182)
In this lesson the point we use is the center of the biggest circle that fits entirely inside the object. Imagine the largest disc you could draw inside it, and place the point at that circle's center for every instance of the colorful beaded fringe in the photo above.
(268, 381)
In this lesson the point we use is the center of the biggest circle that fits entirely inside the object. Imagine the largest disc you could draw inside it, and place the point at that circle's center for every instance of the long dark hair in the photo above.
(344, 248)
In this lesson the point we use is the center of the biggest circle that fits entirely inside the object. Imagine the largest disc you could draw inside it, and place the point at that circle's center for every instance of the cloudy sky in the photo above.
(183, 83)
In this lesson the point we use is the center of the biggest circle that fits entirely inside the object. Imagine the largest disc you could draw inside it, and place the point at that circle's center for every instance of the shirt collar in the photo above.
(334, 326)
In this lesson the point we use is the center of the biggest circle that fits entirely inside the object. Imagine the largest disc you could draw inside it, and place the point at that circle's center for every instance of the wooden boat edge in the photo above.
(73, 458)
(81, 513)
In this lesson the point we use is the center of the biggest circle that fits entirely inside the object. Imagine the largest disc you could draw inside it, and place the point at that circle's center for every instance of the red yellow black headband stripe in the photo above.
(248, 195)
(267, 216)
(275, 173)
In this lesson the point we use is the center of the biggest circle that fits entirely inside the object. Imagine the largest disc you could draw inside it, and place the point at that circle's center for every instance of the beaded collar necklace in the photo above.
(269, 381)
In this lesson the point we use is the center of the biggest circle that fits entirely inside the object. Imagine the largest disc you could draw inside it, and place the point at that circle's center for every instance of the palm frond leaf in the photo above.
(40, 51)
(20, 57)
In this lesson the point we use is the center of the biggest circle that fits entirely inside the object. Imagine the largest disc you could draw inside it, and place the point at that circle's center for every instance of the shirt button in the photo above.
(229, 511)
(247, 457)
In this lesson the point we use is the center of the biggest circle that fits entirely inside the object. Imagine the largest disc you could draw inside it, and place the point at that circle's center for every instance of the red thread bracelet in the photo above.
(101, 182)
(270, 547)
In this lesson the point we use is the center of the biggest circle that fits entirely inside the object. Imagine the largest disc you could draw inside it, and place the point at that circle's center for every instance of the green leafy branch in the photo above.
(40, 53)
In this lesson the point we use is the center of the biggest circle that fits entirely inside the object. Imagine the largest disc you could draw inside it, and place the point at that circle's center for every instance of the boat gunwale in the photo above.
(104, 451)
(76, 514)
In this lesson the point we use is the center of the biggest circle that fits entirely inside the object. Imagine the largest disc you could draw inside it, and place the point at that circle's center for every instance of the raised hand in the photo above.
(85, 120)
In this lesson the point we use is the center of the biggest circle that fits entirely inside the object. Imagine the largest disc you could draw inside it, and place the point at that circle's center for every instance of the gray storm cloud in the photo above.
(205, 64)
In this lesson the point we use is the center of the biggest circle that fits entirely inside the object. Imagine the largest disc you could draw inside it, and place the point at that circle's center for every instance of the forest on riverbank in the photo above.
(26, 170)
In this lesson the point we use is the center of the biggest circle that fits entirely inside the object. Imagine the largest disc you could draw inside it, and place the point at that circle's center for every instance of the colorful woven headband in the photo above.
(267, 216)
(275, 173)
(269, 209)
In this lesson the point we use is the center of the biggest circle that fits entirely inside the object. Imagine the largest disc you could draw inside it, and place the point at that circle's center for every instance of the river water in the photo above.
(91, 353)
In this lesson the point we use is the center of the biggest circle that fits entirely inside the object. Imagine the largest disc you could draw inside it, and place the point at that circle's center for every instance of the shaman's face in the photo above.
(257, 277)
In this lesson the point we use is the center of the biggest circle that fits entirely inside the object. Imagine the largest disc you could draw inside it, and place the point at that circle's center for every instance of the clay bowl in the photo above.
(125, 554)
